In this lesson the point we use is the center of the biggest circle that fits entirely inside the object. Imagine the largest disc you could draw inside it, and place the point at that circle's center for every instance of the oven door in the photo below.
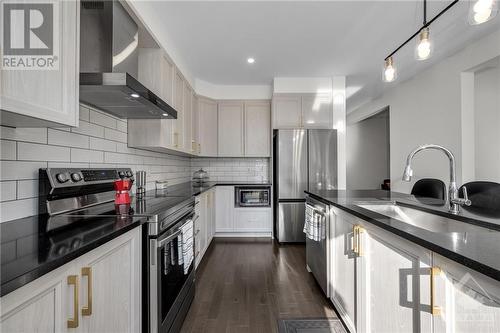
(170, 282)
(253, 196)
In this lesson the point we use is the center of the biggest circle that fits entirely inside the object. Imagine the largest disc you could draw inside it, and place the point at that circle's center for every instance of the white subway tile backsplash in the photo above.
(38, 135)
(38, 152)
(102, 119)
(17, 209)
(7, 150)
(7, 191)
(68, 139)
(27, 189)
(89, 129)
(85, 155)
(121, 126)
(115, 135)
(13, 170)
(102, 144)
(84, 113)
(233, 169)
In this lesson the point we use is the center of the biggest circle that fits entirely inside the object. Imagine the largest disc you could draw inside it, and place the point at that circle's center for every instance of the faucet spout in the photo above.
(453, 200)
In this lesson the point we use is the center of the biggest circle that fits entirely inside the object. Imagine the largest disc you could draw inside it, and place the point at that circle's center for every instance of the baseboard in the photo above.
(243, 234)
(344, 317)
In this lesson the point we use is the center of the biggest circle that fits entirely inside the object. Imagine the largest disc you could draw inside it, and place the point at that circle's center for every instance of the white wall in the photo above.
(368, 152)
(427, 109)
(487, 124)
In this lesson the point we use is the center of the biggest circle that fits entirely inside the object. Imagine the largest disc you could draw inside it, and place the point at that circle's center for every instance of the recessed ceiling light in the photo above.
(134, 95)
(165, 114)
(250, 60)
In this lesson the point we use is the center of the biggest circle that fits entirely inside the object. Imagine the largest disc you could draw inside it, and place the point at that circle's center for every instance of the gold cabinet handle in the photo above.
(73, 280)
(199, 148)
(87, 310)
(435, 310)
(356, 239)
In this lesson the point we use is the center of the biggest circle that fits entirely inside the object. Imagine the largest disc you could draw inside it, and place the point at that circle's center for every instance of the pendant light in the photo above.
(482, 11)
(389, 74)
(423, 50)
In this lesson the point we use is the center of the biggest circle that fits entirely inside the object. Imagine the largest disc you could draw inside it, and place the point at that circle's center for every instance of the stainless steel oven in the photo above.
(252, 196)
(171, 278)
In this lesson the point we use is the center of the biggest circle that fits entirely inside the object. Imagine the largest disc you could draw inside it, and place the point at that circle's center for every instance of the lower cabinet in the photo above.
(204, 223)
(384, 283)
(234, 221)
(97, 292)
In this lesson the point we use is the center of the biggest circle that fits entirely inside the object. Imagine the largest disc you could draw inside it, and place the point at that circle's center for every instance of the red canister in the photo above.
(122, 188)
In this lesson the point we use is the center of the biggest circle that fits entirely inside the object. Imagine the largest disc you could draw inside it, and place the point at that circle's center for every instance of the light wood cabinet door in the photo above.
(40, 98)
(178, 124)
(467, 301)
(187, 119)
(317, 111)
(210, 216)
(343, 293)
(224, 209)
(393, 283)
(252, 220)
(287, 111)
(44, 305)
(114, 285)
(257, 129)
(195, 147)
(207, 127)
(167, 78)
(230, 129)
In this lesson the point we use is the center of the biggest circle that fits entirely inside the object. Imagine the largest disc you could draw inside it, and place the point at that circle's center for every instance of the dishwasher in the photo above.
(317, 228)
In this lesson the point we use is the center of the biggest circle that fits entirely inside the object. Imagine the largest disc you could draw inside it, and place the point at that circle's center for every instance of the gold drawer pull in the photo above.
(435, 310)
(87, 310)
(356, 239)
(73, 280)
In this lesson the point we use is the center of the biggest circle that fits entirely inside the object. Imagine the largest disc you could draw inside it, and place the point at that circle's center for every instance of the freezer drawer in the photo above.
(291, 216)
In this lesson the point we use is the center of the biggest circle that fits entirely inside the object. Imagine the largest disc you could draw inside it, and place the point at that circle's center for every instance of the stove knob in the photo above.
(61, 178)
(129, 174)
(76, 177)
(121, 174)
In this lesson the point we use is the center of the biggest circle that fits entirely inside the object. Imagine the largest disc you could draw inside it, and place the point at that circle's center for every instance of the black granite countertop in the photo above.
(29, 251)
(477, 248)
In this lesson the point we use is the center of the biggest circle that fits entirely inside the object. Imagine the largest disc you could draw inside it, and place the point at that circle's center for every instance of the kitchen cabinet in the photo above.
(257, 129)
(96, 292)
(178, 124)
(393, 279)
(207, 126)
(195, 145)
(287, 111)
(41, 98)
(317, 111)
(224, 209)
(204, 223)
(156, 71)
(308, 111)
(253, 220)
(465, 300)
(187, 119)
(230, 129)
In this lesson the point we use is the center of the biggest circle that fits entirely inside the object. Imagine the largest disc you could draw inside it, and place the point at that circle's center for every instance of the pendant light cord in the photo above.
(425, 25)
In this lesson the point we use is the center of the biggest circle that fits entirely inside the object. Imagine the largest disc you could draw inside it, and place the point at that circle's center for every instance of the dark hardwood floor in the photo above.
(245, 285)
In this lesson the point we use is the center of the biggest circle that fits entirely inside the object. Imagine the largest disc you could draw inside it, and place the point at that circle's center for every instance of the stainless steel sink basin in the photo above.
(419, 219)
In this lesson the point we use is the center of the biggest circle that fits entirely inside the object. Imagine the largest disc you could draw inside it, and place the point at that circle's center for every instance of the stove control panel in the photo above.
(72, 177)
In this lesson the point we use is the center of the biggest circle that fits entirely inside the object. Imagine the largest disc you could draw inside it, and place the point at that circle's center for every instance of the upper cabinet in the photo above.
(187, 120)
(207, 127)
(178, 124)
(156, 71)
(231, 122)
(46, 97)
(303, 111)
(257, 129)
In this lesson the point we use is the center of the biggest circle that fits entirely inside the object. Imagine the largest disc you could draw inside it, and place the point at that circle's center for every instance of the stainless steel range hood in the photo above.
(109, 64)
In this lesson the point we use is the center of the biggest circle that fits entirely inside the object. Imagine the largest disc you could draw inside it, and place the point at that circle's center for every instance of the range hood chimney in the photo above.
(109, 64)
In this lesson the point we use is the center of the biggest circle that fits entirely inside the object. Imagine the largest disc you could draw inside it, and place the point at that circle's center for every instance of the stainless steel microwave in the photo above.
(252, 196)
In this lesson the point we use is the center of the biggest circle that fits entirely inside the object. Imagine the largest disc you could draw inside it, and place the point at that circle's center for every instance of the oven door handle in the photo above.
(168, 239)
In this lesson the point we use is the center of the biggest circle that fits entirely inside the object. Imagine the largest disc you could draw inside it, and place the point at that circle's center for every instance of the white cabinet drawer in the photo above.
(252, 219)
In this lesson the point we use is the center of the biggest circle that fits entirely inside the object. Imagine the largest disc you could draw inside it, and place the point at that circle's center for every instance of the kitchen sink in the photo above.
(419, 219)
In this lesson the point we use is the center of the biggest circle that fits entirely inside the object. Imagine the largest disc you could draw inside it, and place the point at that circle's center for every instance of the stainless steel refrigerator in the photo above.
(302, 160)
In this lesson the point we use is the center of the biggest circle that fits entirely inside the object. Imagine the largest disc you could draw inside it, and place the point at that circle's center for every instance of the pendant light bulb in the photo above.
(482, 11)
(389, 73)
(424, 46)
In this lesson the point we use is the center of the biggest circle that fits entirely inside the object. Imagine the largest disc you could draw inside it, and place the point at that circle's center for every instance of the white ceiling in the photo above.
(294, 39)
